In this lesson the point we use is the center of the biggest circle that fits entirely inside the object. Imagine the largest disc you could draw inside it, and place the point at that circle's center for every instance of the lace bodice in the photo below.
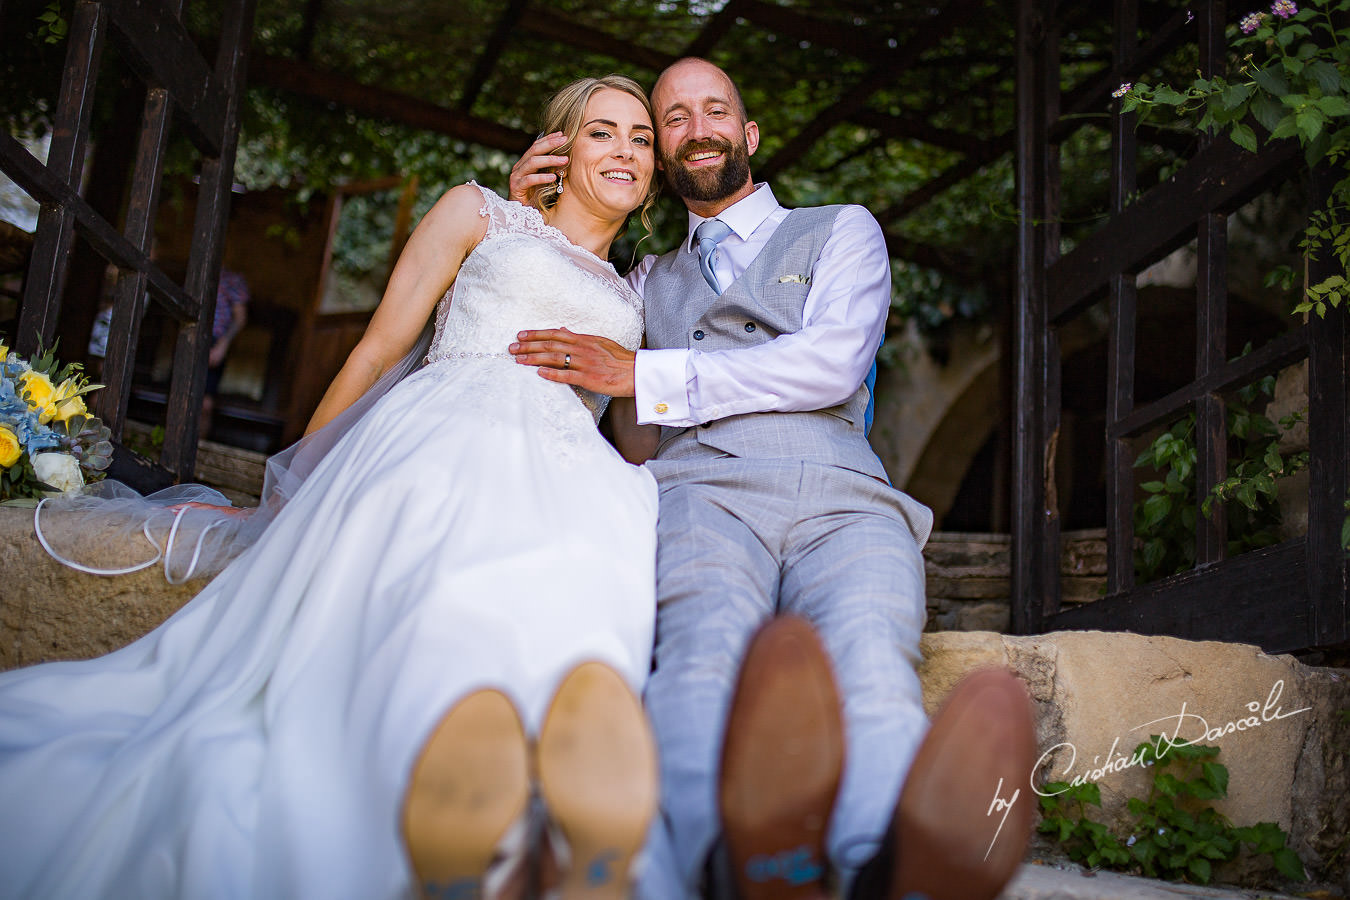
(525, 274)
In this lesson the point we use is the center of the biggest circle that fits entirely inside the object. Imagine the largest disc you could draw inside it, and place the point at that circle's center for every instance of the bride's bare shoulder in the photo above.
(459, 213)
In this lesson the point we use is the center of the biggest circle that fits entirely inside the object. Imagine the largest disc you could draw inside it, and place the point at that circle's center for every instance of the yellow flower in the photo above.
(68, 401)
(10, 451)
(4, 352)
(41, 394)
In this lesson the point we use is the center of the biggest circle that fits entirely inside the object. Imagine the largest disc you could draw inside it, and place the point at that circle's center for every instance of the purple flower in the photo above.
(1122, 90)
(1283, 8)
(1251, 22)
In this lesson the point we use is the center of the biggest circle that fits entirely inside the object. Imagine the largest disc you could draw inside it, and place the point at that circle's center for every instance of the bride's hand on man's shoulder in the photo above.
(536, 167)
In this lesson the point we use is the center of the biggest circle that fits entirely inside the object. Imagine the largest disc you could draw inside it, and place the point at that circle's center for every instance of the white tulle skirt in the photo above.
(471, 530)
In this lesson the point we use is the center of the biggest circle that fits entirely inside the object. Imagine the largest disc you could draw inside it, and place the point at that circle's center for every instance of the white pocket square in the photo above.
(796, 279)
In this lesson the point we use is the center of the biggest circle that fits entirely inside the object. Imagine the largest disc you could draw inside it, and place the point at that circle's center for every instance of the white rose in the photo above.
(60, 470)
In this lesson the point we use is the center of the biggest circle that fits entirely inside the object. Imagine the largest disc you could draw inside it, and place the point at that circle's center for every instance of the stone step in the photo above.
(1283, 727)
(1040, 882)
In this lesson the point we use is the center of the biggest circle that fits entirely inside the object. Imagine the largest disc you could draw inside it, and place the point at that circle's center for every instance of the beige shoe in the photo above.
(469, 786)
(598, 777)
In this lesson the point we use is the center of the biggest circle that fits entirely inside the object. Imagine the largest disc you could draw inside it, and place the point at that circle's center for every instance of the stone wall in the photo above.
(970, 577)
(968, 584)
(1098, 695)
(49, 611)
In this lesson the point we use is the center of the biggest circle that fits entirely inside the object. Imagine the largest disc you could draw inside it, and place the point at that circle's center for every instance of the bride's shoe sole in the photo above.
(598, 777)
(469, 784)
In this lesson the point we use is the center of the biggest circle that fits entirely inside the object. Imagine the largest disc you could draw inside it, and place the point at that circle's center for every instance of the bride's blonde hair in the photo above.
(566, 112)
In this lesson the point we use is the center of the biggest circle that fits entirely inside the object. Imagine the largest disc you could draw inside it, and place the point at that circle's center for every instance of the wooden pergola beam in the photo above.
(561, 29)
(331, 87)
(716, 28)
(854, 99)
(491, 52)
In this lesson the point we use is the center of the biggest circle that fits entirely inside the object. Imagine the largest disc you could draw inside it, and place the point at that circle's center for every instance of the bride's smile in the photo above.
(612, 161)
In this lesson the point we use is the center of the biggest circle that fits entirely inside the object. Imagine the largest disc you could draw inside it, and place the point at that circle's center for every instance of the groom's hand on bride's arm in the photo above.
(585, 360)
(537, 166)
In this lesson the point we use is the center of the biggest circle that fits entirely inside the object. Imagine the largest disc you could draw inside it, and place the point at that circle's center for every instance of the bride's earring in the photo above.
(560, 184)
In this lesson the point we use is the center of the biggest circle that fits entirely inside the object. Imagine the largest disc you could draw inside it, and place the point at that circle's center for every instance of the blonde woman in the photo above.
(348, 709)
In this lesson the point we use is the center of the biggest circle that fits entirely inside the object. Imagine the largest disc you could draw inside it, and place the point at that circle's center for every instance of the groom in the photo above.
(763, 324)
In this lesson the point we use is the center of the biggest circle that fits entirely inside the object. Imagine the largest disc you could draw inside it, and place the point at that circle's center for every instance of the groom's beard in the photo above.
(710, 184)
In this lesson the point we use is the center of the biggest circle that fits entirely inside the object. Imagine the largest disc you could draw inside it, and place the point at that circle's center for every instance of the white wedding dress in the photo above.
(473, 529)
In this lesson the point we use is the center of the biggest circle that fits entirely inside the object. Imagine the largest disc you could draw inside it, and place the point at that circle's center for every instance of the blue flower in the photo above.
(33, 435)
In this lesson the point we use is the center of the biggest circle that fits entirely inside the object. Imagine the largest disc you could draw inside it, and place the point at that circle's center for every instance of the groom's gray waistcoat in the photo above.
(766, 301)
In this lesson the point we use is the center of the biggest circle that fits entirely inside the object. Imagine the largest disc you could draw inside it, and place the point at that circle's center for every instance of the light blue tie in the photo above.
(709, 235)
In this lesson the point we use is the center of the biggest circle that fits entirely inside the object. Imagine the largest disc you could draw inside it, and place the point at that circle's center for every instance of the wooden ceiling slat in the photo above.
(378, 103)
(855, 99)
(888, 66)
(554, 27)
(716, 29)
(309, 26)
(912, 127)
(861, 42)
(492, 51)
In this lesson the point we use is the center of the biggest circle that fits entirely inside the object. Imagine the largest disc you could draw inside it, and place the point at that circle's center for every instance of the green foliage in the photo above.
(1173, 835)
(1165, 520)
(1291, 76)
(54, 26)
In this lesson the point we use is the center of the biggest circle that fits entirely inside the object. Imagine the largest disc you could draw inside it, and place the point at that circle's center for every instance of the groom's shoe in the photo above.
(598, 776)
(469, 786)
(782, 758)
(962, 822)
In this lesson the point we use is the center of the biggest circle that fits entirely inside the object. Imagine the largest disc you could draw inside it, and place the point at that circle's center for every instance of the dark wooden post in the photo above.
(129, 294)
(208, 235)
(1030, 318)
(1211, 327)
(1329, 448)
(1121, 339)
(55, 234)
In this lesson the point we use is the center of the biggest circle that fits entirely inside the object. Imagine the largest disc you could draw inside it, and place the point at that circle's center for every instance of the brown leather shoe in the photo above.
(469, 785)
(950, 839)
(598, 777)
(782, 757)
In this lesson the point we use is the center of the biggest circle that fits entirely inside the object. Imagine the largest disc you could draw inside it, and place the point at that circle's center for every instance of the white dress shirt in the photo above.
(817, 367)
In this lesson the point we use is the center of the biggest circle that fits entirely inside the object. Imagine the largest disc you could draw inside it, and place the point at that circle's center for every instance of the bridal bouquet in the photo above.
(49, 442)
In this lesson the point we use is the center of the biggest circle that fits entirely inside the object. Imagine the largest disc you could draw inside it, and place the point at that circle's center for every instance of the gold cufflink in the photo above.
(661, 409)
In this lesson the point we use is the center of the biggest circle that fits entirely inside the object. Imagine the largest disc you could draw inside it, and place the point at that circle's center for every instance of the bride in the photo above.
(469, 544)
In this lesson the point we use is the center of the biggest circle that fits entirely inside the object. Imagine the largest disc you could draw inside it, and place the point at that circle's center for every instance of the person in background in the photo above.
(230, 318)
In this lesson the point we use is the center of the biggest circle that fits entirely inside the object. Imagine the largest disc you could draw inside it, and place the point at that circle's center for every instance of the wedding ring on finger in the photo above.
(567, 360)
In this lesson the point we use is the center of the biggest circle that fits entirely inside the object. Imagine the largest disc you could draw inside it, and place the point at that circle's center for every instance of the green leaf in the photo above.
(1167, 784)
(1334, 106)
(1200, 868)
(1316, 149)
(1244, 137)
(1327, 76)
(1167, 95)
(1271, 81)
(1289, 865)
(1310, 122)
(1156, 509)
(1285, 128)
(1267, 110)
(1232, 96)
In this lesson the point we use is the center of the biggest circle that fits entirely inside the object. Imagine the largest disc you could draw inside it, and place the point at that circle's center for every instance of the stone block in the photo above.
(49, 611)
(1279, 724)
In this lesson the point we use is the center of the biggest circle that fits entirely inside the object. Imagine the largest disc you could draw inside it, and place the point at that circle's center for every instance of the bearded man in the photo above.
(790, 582)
